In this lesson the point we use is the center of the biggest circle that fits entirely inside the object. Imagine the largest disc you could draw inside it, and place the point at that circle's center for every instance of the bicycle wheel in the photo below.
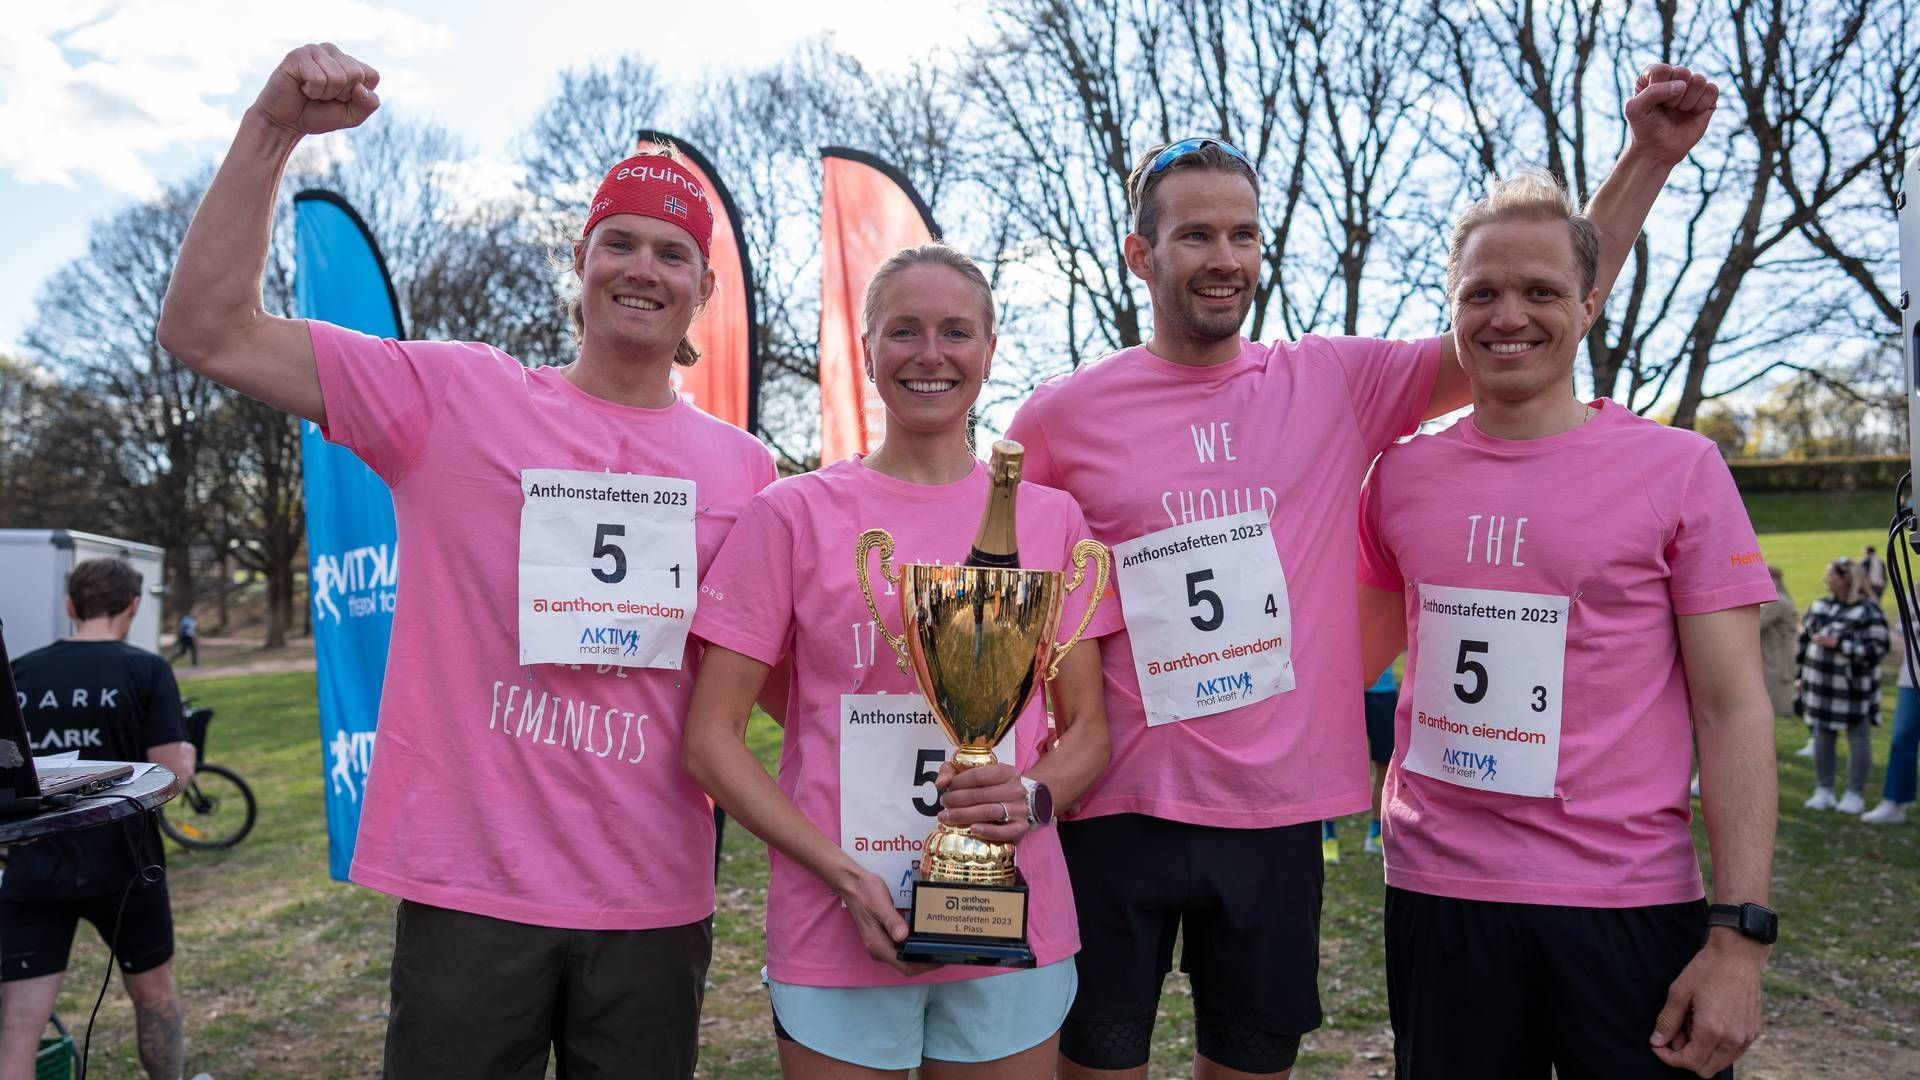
(215, 811)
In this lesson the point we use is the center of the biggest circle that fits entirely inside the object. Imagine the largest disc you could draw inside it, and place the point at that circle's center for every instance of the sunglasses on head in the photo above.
(1175, 151)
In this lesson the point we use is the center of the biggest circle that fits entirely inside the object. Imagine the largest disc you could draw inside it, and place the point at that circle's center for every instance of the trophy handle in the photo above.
(1102, 570)
(882, 539)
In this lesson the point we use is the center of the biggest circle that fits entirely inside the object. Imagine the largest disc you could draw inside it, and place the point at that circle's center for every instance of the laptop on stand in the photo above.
(23, 789)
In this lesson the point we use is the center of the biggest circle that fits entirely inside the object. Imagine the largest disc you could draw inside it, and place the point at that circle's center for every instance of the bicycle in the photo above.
(216, 809)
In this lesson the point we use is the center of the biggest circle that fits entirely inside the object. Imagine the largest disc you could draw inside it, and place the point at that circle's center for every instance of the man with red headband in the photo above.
(554, 864)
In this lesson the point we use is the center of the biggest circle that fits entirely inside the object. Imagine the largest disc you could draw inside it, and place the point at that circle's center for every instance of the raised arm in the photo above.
(213, 319)
(1668, 113)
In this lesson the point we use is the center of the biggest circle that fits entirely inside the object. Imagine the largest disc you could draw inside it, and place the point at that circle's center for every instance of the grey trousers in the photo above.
(1859, 755)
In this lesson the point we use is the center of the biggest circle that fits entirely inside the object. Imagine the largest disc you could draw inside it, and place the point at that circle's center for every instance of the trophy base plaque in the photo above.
(955, 922)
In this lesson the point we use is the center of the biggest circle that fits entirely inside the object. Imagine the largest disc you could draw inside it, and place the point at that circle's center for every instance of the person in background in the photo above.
(1383, 697)
(189, 641)
(1897, 790)
(1876, 571)
(94, 690)
(1779, 636)
(1842, 642)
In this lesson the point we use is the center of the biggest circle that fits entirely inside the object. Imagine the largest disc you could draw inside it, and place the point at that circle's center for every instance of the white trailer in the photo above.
(34, 564)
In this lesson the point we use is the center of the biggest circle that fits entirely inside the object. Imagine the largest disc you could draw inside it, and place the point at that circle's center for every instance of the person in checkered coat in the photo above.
(1842, 641)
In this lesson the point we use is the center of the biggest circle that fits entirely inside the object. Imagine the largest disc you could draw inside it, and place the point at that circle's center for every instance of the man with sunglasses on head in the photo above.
(1226, 474)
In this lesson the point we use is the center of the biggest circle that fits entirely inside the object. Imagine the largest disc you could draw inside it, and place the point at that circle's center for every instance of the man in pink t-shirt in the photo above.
(1581, 587)
(526, 801)
(1226, 475)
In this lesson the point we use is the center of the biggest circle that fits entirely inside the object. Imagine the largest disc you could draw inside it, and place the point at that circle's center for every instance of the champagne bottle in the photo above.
(995, 545)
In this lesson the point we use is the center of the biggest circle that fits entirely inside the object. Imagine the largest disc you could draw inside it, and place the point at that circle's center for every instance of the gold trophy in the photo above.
(978, 639)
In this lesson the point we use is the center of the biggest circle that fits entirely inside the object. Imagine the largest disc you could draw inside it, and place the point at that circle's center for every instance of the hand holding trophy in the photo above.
(979, 639)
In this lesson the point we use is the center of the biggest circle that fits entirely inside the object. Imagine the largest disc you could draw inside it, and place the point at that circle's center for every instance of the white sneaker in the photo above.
(1887, 813)
(1822, 799)
(1851, 803)
(1805, 751)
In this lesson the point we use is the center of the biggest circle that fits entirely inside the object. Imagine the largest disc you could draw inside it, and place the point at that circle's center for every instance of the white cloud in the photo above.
(89, 90)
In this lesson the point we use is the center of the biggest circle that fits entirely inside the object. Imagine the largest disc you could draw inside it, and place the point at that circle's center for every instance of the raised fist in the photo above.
(1669, 111)
(317, 89)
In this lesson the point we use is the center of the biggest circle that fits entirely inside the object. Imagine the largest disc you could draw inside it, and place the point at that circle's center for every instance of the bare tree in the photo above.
(1067, 93)
(465, 264)
(95, 326)
(586, 126)
(264, 526)
(1788, 195)
(1369, 139)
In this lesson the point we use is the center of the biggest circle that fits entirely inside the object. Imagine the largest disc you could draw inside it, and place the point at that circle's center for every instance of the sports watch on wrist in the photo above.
(1039, 803)
(1752, 920)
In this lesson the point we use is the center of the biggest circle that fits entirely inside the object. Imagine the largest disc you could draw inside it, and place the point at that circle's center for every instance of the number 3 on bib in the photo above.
(1486, 689)
(1207, 616)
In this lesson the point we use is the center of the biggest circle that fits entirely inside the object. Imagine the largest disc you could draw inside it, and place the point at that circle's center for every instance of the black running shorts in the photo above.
(476, 996)
(1528, 991)
(36, 936)
(1246, 905)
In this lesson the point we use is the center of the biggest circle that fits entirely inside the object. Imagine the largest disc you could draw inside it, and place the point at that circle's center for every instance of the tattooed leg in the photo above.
(159, 1020)
(162, 1032)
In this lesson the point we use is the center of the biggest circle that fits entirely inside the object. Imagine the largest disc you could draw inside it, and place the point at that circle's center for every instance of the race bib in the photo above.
(891, 749)
(1486, 689)
(1206, 607)
(608, 568)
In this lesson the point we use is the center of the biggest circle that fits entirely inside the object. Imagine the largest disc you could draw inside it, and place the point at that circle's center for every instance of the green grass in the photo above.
(1825, 511)
(284, 972)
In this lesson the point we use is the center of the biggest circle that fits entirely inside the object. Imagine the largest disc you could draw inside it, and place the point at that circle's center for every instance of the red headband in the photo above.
(656, 187)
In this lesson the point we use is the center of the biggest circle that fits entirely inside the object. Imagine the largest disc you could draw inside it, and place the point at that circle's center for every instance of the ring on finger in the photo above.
(1005, 816)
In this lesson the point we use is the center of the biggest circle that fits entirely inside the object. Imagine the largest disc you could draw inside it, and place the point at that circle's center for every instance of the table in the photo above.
(147, 791)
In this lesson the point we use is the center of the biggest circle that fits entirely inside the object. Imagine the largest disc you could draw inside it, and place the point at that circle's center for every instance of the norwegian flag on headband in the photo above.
(656, 187)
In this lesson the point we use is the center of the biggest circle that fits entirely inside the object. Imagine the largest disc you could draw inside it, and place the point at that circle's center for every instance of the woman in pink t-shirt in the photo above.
(858, 747)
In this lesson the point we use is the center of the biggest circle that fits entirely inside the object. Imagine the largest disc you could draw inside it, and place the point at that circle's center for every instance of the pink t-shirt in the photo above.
(543, 794)
(1625, 524)
(785, 583)
(1289, 428)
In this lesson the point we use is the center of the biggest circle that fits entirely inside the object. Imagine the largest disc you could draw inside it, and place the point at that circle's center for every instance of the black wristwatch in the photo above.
(1039, 803)
(1756, 922)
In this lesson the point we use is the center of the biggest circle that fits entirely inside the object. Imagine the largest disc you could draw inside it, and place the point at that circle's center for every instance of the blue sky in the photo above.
(102, 102)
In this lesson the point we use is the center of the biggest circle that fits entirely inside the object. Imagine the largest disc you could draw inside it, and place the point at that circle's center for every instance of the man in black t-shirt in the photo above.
(98, 695)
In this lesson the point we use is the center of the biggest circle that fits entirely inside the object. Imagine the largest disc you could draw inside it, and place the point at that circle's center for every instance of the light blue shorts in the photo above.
(893, 1027)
